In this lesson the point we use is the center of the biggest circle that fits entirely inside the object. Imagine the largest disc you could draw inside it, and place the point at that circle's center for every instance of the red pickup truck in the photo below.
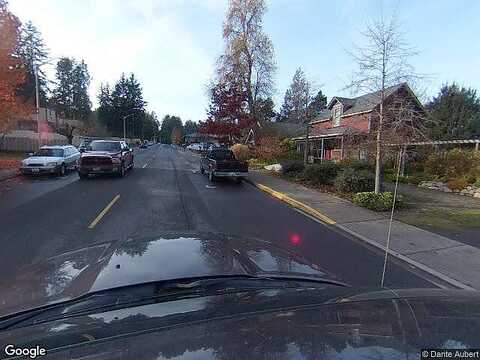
(222, 163)
(105, 157)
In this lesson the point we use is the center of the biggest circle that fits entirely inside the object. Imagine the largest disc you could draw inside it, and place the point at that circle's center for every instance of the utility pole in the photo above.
(37, 100)
(305, 151)
(124, 130)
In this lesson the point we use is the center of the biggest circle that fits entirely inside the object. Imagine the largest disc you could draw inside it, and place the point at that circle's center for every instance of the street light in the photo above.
(124, 118)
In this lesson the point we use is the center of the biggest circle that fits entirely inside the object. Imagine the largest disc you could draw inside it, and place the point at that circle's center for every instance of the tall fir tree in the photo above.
(34, 52)
(70, 97)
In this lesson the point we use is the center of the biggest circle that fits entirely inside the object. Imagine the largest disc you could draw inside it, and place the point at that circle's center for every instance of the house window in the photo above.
(337, 111)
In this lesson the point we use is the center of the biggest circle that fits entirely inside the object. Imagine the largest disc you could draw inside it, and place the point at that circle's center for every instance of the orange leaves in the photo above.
(12, 69)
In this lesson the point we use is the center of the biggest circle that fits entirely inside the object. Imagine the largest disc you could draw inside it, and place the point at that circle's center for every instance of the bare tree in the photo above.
(249, 55)
(382, 62)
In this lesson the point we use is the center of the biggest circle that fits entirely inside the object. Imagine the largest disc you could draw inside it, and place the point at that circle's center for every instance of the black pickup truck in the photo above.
(222, 163)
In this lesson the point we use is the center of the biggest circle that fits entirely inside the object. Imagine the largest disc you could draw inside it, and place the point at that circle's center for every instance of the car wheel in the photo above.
(82, 176)
(211, 177)
(63, 170)
(122, 171)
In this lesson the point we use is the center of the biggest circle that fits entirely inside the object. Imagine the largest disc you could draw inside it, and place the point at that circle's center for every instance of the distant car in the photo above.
(195, 147)
(84, 145)
(144, 145)
(56, 159)
(222, 163)
(105, 157)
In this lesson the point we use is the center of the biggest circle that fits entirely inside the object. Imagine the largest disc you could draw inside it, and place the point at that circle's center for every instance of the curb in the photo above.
(324, 218)
(295, 203)
(11, 176)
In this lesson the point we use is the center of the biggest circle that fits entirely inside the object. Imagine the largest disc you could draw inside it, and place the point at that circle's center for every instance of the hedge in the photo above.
(351, 180)
(320, 174)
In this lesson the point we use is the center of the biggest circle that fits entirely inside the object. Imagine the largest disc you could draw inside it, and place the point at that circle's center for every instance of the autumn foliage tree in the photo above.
(227, 112)
(12, 70)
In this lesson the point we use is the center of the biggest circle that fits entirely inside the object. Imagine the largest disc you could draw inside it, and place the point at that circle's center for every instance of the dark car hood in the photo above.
(305, 323)
(172, 256)
(99, 153)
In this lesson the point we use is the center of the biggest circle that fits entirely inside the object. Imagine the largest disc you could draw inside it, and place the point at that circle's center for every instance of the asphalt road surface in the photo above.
(43, 217)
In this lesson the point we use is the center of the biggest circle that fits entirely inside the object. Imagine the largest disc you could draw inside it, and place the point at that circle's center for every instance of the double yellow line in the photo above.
(103, 212)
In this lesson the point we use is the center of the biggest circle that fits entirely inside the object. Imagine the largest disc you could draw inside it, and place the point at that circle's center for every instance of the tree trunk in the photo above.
(378, 152)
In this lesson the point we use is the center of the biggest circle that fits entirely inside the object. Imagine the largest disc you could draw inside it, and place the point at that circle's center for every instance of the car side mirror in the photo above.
(30, 154)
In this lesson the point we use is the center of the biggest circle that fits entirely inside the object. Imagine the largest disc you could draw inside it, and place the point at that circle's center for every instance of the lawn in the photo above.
(444, 218)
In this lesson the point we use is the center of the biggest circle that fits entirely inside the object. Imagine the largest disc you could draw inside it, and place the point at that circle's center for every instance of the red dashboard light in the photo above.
(295, 239)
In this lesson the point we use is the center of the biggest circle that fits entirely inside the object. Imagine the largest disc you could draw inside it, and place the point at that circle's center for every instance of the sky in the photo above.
(171, 45)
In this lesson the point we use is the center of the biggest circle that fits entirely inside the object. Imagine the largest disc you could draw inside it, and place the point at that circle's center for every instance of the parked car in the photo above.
(84, 145)
(105, 157)
(57, 159)
(222, 163)
(195, 147)
(144, 145)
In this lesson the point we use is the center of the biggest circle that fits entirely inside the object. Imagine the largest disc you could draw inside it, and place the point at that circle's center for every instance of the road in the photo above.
(43, 217)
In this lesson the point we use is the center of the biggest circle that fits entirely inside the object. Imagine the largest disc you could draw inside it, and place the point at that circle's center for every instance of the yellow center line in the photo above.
(103, 212)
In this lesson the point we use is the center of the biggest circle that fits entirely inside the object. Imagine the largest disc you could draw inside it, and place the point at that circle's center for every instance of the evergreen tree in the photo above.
(455, 113)
(318, 103)
(296, 100)
(70, 94)
(34, 52)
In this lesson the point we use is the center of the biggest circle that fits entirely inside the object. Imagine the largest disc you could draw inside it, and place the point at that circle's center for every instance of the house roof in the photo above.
(282, 129)
(331, 132)
(368, 102)
(362, 103)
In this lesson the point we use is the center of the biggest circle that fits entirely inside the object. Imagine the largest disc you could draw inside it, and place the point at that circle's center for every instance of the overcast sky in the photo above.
(171, 45)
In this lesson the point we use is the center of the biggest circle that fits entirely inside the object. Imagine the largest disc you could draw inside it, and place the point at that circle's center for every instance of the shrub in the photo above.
(477, 183)
(356, 164)
(241, 152)
(454, 163)
(377, 202)
(320, 174)
(292, 166)
(350, 180)
(470, 178)
(457, 184)
(268, 148)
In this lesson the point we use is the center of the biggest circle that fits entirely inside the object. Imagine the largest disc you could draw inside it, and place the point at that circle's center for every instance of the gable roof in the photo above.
(359, 104)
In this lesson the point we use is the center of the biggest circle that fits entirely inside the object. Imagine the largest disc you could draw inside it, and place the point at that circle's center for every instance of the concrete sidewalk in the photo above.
(451, 261)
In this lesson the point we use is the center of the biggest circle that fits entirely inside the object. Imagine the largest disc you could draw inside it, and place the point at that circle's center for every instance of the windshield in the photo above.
(310, 138)
(49, 152)
(222, 155)
(105, 146)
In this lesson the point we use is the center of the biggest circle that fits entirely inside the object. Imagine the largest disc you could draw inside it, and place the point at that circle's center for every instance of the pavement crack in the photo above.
(436, 249)
(180, 194)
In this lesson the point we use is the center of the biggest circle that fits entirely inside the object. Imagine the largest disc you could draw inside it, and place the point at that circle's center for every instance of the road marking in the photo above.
(144, 166)
(103, 212)
(210, 187)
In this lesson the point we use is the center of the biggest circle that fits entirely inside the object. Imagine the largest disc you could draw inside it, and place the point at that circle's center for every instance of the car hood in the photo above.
(41, 159)
(133, 261)
(99, 153)
(291, 323)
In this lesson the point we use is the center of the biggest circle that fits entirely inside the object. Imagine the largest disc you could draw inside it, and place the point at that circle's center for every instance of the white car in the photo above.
(56, 159)
(195, 147)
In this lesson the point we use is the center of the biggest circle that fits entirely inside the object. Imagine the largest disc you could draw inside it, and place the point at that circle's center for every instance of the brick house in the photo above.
(342, 129)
